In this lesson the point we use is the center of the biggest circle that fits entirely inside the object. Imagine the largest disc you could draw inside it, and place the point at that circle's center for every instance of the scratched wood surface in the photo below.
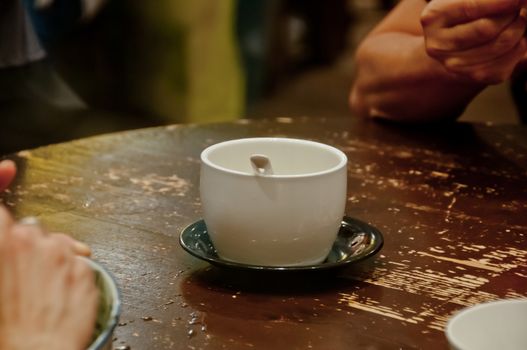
(450, 200)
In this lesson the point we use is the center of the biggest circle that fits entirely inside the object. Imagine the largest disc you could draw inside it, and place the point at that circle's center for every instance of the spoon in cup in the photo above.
(261, 164)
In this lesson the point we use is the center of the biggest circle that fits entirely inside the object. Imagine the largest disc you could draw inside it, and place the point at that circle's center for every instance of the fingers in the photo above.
(83, 292)
(31, 225)
(83, 274)
(446, 13)
(500, 46)
(77, 247)
(7, 173)
(468, 35)
(495, 71)
(50, 266)
(480, 40)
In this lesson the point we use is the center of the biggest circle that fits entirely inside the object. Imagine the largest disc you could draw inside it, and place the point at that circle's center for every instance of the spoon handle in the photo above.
(261, 164)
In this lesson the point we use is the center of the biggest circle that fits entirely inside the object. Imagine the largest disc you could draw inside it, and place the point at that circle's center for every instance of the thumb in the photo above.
(7, 173)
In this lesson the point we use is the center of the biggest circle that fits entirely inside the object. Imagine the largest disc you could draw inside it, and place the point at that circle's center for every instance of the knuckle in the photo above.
(429, 16)
(507, 40)
(83, 270)
(426, 19)
(456, 43)
(484, 76)
(451, 64)
(57, 244)
(23, 238)
(455, 70)
(56, 251)
(433, 49)
(478, 76)
(471, 9)
(61, 240)
(484, 30)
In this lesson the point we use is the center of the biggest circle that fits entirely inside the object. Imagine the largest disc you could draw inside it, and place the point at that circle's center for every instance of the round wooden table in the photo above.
(450, 200)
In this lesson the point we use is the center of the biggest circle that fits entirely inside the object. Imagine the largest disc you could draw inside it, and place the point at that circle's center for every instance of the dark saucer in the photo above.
(355, 241)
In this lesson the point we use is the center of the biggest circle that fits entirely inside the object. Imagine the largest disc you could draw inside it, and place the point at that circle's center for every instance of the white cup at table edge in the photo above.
(495, 325)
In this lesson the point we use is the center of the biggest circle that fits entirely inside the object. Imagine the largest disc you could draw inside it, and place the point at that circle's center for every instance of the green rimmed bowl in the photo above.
(109, 308)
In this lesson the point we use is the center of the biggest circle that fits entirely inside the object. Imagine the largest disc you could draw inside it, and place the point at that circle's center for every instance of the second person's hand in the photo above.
(481, 41)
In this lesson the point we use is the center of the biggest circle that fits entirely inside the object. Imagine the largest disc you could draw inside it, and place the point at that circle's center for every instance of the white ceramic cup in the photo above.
(289, 218)
(497, 325)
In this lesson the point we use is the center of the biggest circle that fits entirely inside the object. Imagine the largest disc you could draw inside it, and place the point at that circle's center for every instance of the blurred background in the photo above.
(143, 63)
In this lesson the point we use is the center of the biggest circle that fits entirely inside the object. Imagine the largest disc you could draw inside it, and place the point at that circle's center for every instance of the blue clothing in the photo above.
(54, 22)
(19, 44)
(25, 30)
(24, 74)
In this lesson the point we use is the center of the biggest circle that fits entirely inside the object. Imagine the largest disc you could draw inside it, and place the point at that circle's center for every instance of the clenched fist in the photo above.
(480, 40)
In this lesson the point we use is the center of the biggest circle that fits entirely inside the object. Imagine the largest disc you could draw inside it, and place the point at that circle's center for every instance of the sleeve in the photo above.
(19, 43)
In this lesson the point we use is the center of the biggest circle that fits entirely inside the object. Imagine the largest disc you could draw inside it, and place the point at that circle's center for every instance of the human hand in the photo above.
(481, 41)
(7, 173)
(48, 295)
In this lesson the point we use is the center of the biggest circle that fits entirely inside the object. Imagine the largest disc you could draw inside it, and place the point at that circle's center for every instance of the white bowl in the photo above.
(497, 325)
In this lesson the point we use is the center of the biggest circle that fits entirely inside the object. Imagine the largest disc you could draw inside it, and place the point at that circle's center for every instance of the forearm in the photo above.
(397, 80)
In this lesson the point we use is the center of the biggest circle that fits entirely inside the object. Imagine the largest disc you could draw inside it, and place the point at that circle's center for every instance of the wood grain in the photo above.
(450, 200)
